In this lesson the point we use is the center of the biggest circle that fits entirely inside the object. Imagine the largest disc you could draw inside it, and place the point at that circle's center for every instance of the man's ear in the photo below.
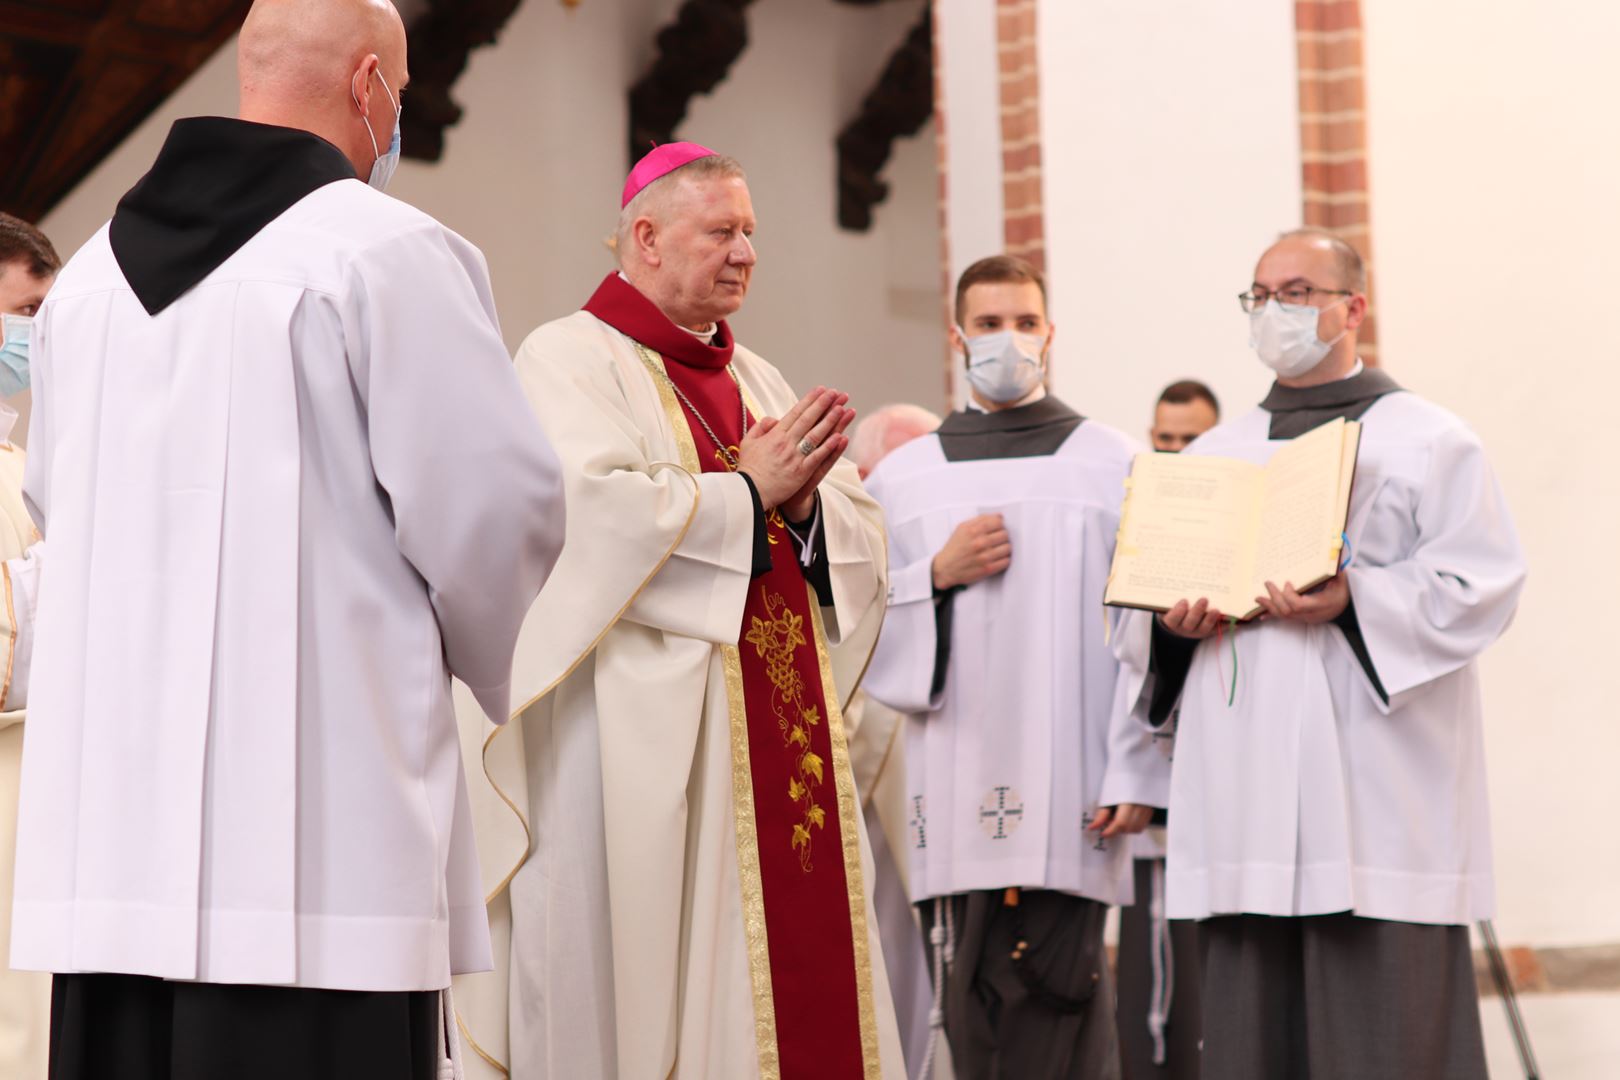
(645, 234)
(360, 84)
(957, 344)
(1355, 311)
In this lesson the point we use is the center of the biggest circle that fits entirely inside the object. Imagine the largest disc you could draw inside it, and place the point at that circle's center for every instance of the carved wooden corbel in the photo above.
(897, 107)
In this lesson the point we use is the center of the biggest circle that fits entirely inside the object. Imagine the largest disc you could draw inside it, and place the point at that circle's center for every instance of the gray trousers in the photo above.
(1040, 1011)
(1337, 997)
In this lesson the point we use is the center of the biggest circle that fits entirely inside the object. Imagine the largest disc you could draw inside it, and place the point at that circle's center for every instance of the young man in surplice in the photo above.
(1328, 818)
(1160, 984)
(1002, 529)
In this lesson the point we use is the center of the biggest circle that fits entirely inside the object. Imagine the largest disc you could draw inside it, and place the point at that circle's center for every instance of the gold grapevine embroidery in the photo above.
(776, 639)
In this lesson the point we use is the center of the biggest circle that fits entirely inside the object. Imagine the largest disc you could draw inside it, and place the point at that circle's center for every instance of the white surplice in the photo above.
(628, 954)
(1310, 794)
(25, 996)
(281, 513)
(877, 753)
(1006, 765)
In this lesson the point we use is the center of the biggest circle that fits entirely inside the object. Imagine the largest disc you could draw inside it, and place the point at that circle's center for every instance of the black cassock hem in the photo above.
(132, 1027)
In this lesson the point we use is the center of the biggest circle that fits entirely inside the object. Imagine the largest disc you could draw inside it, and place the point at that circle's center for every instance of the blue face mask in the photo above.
(382, 170)
(18, 330)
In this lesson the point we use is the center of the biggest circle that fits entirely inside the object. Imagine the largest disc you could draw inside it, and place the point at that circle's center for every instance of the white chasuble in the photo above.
(1322, 784)
(624, 868)
(1009, 744)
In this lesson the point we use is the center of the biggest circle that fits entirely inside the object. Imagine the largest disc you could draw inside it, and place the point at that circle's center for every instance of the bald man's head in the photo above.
(322, 66)
(886, 430)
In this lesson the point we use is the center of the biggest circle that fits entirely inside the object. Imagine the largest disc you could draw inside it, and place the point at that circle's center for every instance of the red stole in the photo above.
(802, 885)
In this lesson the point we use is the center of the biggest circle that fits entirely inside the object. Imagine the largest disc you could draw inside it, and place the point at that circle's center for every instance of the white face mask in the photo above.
(15, 333)
(1284, 336)
(1006, 366)
(382, 170)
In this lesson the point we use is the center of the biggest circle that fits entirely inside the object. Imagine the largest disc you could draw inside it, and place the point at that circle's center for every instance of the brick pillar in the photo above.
(1023, 216)
(1333, 130)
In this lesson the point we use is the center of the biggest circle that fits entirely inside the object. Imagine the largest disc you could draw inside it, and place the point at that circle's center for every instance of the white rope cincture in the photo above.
(1162, 952)
(942, 940)
(450, 1044)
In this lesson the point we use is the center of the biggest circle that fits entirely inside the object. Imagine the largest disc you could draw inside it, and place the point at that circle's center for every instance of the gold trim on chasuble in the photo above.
(848, 809)
(849, 814)
(742, 776)
(742, 790)
(489, 741)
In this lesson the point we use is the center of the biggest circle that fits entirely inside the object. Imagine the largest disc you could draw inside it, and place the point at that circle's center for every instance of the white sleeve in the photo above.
(1132, 642)
(857, 552)
(1456, 590)
(805, 543)
(702, 590)
(1138, 769)
(902, 672)
(473, 483)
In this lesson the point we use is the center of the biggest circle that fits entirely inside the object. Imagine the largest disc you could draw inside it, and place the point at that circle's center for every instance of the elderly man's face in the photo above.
(705, 251)
(21, 292)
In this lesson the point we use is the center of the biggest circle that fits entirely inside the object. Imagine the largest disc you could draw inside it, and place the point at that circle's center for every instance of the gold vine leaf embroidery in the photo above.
(776, 639)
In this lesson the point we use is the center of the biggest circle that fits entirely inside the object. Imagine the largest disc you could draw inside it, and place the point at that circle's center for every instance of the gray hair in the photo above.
(885, 430)
(652, 201)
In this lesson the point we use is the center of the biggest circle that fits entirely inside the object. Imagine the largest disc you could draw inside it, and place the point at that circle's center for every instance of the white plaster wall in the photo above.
(1171, 159)
(1171, 152)
(533, 174)
(971, 95)
(858, 310)
(1495, 162)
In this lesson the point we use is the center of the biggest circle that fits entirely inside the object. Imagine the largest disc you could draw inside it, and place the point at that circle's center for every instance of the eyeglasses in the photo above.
(1293, 294)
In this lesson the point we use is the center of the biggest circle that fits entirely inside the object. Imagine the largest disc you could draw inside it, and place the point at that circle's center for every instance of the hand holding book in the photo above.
(1225, 533)
(1319, 605)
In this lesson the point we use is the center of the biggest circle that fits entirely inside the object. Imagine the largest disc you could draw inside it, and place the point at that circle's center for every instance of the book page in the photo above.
(1347, 471)
(1187, 532)
(1300, 519)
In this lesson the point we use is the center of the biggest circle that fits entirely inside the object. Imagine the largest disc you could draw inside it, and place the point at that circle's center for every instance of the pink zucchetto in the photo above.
(660, 162)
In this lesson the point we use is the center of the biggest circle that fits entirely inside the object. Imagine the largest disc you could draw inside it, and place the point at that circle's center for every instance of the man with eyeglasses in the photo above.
(1328, 818)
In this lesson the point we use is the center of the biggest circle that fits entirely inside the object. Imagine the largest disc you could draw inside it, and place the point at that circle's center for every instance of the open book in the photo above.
(1195, 527)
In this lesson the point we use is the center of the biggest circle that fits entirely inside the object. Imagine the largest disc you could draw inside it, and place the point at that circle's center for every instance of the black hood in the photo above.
(1297, 409)
(215, 184)
(1034, 430)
